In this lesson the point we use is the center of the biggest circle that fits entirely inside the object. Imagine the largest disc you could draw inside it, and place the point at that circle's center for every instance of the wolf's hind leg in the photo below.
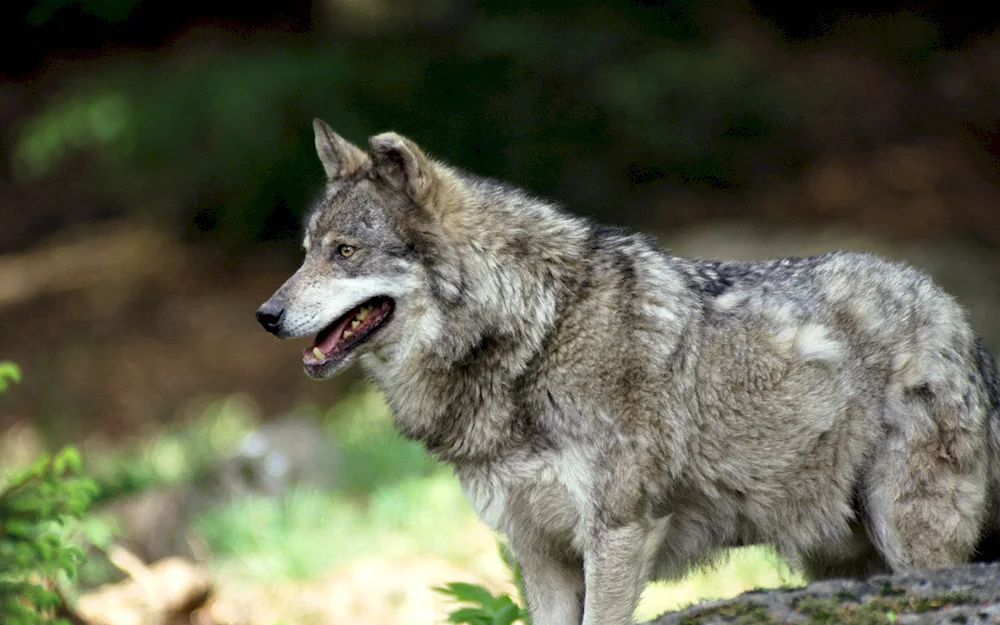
(925, 492)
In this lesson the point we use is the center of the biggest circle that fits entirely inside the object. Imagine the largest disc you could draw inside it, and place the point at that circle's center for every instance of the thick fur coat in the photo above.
(620, 413)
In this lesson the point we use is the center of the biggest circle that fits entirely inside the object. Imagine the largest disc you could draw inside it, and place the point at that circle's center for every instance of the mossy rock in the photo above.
(964, 595)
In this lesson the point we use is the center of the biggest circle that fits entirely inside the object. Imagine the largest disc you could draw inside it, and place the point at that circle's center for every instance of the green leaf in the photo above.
(71, 458)
(507, 614)
(34, 547)
(471, 593)
(472, 616)
(46, 599)
(18, 528)
(9, 373)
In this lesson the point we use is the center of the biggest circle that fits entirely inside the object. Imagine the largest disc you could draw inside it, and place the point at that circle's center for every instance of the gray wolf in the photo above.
(621, 413)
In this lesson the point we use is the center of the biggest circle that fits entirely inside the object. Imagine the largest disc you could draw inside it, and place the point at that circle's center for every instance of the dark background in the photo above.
(157, 157)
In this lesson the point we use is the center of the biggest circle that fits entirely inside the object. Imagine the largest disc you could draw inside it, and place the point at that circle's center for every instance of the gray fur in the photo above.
(620, 413)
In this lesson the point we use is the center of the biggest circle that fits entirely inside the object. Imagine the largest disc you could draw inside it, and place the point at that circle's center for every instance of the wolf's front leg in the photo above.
(615, 568)
(552, 588)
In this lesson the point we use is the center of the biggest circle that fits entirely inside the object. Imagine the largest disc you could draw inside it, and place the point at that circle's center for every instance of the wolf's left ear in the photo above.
(339, 156)
(403, 165)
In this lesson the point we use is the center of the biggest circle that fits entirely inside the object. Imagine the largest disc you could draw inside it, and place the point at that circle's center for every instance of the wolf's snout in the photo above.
(269, 315)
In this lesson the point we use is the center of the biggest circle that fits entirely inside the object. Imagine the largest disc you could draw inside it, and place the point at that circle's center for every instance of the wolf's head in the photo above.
(370, 266)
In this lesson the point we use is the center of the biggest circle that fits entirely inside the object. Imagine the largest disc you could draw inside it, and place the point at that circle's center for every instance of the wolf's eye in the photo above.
(345, 250)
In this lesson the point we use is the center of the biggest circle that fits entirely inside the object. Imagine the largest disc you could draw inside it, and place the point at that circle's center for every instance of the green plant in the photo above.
(485, 608)
(34, 550)
(8, 373)
(35, 507)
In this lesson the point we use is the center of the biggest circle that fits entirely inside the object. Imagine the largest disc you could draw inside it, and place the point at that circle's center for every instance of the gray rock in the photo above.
(966, 594)
(277, 457)
(273, 460)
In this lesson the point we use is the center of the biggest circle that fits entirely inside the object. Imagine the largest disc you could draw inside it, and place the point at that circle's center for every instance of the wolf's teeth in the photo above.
(355, 324)
(318, 353)
(347, 333)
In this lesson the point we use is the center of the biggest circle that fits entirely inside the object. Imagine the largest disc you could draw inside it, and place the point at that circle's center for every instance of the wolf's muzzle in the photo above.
(269, 315)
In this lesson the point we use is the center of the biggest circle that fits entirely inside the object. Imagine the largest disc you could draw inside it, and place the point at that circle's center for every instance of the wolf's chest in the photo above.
(529, 497)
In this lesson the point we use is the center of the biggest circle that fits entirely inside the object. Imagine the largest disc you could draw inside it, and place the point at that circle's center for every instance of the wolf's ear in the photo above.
(339, 156)
(403, 165)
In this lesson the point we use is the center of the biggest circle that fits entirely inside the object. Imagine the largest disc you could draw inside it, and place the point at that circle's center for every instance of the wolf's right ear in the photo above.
(403, 165)
(339, 156)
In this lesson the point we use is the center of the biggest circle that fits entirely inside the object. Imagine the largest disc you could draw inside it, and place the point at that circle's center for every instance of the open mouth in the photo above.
(354, 328)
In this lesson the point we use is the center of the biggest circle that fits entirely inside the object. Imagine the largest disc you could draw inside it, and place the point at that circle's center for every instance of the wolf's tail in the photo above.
(988, 549)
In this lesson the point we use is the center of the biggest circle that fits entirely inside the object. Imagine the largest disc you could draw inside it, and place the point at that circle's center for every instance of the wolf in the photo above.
(621, 413)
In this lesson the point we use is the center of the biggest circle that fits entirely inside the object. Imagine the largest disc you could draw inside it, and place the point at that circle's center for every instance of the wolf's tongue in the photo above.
(327, 341)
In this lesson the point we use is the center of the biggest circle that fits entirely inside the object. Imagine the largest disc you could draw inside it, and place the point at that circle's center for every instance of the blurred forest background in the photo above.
(157, 158)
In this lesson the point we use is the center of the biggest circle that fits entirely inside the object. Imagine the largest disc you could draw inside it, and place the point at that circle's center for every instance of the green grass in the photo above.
(390, 499)
(309, 532)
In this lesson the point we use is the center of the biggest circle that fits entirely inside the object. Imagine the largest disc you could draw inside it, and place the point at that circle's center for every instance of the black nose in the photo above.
(269, 315)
